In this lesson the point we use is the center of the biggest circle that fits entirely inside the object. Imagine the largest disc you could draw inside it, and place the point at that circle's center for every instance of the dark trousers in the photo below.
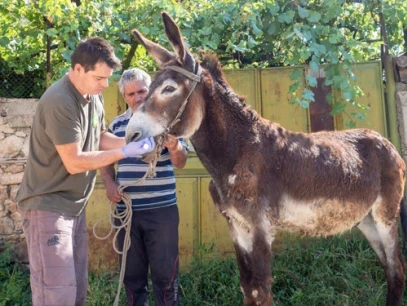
(154, 245)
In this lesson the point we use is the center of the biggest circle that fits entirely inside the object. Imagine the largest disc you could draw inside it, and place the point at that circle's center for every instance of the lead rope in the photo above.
(126, 216)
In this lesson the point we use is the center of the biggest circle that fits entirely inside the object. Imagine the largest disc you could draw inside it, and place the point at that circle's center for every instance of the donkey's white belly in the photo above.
(319, 217)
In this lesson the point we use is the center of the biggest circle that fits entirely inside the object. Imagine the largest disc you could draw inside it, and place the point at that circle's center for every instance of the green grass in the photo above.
(333, 271)
(14, 282)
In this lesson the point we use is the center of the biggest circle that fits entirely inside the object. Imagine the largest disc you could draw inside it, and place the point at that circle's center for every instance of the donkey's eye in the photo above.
(168, 89)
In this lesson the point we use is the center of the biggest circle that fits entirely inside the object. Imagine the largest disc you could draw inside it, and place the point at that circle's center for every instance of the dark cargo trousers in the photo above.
(154, 244)
(58, 255)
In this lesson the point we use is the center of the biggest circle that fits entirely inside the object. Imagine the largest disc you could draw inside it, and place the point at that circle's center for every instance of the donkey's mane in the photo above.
(212, 64)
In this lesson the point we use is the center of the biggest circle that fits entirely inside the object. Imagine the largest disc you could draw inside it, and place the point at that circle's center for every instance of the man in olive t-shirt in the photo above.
(68, 143)
(63, 116)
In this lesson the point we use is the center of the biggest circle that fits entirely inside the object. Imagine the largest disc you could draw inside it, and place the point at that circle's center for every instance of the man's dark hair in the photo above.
(94, 50)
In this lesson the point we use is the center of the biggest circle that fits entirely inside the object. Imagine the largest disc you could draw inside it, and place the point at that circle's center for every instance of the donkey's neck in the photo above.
(227, 127)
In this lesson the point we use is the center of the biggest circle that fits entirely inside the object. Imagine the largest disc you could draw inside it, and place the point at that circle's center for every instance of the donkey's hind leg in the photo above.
(383, 237)
(368, 228)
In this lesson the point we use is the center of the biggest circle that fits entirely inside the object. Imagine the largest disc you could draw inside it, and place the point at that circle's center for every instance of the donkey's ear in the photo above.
(175, 38)
(160, 54)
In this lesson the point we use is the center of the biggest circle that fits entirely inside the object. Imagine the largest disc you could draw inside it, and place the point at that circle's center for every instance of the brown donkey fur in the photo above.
(266, 178)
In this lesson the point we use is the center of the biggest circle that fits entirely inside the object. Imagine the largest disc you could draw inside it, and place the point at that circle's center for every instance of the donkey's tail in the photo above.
(403, 220)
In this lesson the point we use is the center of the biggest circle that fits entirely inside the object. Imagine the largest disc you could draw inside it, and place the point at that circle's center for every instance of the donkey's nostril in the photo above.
(135, 136)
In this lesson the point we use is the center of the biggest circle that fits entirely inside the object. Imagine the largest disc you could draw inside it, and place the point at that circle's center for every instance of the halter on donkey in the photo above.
(266, 178)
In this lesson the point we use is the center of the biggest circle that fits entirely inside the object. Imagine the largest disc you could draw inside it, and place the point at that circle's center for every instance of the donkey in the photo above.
(266, 178)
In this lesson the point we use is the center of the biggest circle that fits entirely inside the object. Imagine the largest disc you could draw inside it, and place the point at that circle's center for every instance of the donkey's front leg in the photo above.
(253, 251)
(252, 236)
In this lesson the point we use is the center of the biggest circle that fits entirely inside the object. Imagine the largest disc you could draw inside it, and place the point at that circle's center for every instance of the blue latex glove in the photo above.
(138, 148)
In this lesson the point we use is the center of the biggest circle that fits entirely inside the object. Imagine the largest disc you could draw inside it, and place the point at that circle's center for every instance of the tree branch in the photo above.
(133, 46)
(384, 33)
(38, 52)
(49, 25)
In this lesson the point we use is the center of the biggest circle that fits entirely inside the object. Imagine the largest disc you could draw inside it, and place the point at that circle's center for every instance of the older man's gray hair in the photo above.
(133, 74)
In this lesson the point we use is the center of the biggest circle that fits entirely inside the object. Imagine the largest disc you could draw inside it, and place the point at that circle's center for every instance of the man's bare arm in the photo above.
(108, 174)
(76, 161)
(108, 177)
(108, 141)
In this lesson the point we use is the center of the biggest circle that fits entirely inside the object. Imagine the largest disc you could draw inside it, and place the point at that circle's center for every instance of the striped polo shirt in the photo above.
(153, 192)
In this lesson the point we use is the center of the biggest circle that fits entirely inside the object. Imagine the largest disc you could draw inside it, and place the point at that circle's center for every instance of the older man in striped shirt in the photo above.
(154, 227)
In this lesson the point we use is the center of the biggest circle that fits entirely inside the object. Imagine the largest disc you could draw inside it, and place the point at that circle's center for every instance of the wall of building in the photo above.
(15, 122)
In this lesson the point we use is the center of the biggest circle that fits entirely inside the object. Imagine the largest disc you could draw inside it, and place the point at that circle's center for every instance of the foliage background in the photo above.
(38, 37)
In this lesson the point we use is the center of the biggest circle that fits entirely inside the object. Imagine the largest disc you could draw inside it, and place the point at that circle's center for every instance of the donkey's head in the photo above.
(172, 93)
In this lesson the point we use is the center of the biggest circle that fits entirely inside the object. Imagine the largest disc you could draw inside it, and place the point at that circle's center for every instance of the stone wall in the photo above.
(15, 125)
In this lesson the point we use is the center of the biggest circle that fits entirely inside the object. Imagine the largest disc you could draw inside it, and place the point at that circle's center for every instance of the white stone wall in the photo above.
(15, 125)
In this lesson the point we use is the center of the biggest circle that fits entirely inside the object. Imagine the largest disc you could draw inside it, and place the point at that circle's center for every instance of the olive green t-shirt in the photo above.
(62, 116)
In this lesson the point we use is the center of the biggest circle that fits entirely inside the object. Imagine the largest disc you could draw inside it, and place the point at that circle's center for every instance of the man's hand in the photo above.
(178, 155)
(111, 192)
(172, 143)
(138, 148)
